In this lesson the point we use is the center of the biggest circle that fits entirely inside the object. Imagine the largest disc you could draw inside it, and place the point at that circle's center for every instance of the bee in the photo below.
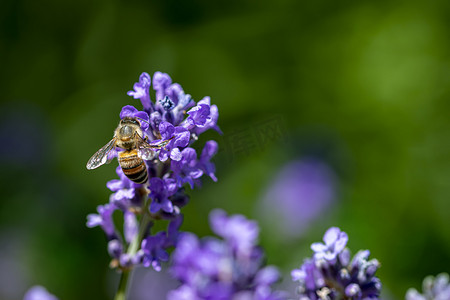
(129, 137)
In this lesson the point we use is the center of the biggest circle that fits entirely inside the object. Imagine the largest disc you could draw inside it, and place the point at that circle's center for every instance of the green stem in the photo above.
(123, 283)
(132, 249)
(143, 226)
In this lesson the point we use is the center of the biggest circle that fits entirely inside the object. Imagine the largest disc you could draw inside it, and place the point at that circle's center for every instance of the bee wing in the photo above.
(101, 156)
(146, 151)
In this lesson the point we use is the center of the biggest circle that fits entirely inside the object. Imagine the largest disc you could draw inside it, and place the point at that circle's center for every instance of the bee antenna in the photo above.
(143, 120)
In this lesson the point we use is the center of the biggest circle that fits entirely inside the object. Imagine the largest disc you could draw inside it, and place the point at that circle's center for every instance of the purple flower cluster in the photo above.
(433, 289)
(332, 274)
(176, 120)
(226, 269)
(38, 293)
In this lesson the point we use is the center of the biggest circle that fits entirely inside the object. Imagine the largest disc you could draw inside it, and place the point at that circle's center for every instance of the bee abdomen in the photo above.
(133, 166)
(137, 174)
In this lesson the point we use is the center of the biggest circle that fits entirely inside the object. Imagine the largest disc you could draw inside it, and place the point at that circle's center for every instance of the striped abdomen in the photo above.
(133, 166)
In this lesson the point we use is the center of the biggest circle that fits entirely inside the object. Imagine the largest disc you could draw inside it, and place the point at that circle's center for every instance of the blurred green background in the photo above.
(362, 85)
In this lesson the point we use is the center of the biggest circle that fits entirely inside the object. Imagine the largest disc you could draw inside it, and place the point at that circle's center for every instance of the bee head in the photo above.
(129, 121)
(128, 126)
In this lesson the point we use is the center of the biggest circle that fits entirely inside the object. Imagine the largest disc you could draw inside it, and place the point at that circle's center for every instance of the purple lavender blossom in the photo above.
(103, 219)
(187, 169)
(38, 293)
(335, 241)
(160, 191)
(180, 139)
(141, 91)
(330, 274)
(154, 247)
(206, 165)
(240, 233)
(204, 116)
(125, 191)
(434, 288)
(226, 269)
(176, 118)
(300, 192)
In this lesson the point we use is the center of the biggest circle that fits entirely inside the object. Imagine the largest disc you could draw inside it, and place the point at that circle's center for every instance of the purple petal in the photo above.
(318, 247)
(189, 156)
(173, 230)
(200, 115)
(413, 294)
(188, 245)
(331, 235)
(145, 80)
(267, 276)
(162, 255)
(156, 185)
(353, 290)
(330, 256)
(156, 266)
(359, 258)
(175, 154)
(238, 230)
(298, 274)
(197, 173)
(38, 293)
(209, 150)
(155, 207)
(170, 185)
(114, 248)
(173, 91)
(206, 100)
(141, 91)
(141, 87)
(319, 255)
(104, 219)
(344, 257)
(182, 137)
(218, 220)
(160, 82)
(125, 259)
(128, 111)
(163, 155)
(155, 119)
(115, 185)
(167, 206)
(93, 220)
(341, 242)
(166, 130)
(121, 197)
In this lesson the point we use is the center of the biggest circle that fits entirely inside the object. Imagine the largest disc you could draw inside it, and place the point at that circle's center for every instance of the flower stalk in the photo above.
(174, 121)
(123, 285)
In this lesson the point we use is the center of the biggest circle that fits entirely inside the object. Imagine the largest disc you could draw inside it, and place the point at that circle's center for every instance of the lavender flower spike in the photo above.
(335, 241)
(434, 288)
(240, 233)
(215, 269)
(330, 274)
(175, 120)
